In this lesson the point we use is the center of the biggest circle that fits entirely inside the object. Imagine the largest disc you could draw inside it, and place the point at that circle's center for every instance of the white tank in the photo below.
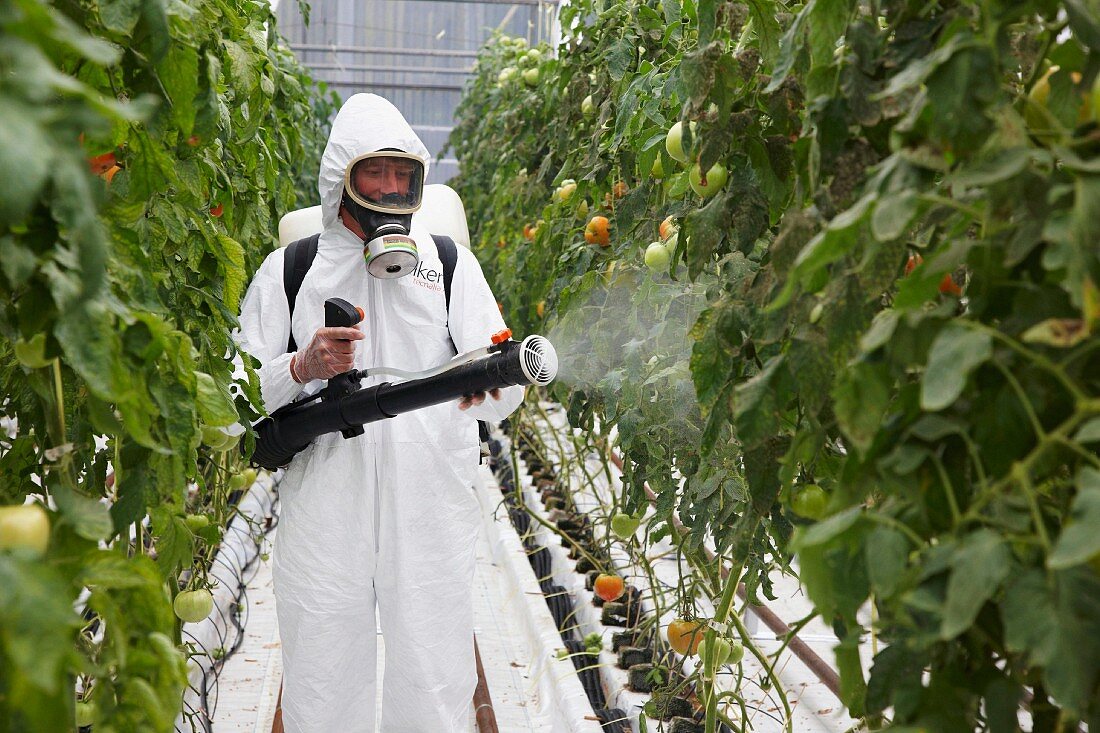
(441, 212)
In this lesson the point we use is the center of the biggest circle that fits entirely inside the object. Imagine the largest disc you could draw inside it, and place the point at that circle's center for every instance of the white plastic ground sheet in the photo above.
(530, 689)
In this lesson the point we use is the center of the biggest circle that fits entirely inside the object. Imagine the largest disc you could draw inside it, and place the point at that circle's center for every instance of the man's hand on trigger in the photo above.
(331, 352)
(476, 398)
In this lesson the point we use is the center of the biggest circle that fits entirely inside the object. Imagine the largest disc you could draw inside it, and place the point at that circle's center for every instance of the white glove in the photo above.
(331, 352)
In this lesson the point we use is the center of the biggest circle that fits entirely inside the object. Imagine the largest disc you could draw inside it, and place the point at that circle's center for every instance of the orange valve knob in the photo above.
(361, 312)
(501, 336)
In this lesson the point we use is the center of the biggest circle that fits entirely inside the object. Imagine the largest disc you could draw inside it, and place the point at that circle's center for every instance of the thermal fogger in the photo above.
(344, 406)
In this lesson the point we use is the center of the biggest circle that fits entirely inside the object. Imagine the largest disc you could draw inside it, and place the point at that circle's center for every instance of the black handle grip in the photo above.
(340, 313)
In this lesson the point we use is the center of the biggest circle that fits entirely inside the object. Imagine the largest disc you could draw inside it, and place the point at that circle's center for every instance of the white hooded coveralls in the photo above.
(388, 516)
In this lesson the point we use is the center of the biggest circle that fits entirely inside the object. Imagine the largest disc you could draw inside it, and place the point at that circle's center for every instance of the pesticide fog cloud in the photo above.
(629, 328)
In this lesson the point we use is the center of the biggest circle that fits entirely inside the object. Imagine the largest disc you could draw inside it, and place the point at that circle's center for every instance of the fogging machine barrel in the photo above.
(292, 428)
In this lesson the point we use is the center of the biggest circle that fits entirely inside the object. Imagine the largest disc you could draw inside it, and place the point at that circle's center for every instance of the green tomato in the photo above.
(674, 141)
(588, 107)
(506, 74)
(716, 178)
(657, 257)
(32, 354)
(25, 528)
(565, 190)
(531, 77)
(623, 525)
(197, 522)
(192, 606)
(249, 476)
(810, 502)
(236, 482)
(85, 713)
(722, 650)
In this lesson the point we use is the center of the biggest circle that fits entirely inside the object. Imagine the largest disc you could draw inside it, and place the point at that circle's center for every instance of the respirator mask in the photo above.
(382, 190)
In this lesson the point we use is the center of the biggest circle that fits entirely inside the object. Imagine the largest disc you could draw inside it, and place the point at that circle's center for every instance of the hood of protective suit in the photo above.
(365, 124)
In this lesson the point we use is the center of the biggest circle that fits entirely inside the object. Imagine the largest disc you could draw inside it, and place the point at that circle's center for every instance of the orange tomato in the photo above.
(529, 232)
(598, 231)
(619, 190)
(608, 587)
(110, 173)
(685, 636)
(668, 228)
(100, 164)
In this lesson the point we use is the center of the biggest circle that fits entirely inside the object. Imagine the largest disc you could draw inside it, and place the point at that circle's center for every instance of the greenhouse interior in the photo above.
(557, 366)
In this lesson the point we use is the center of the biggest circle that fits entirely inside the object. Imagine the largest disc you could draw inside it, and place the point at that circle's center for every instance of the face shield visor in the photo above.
(387, 182)
(382, 190)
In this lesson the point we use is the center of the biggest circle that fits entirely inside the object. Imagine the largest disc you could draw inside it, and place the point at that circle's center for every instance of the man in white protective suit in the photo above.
(387, 517)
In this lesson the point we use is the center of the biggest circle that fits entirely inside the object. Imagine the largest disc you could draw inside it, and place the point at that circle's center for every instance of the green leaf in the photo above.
(179, 73)
(90, 518)
(881, 330)
(25, 156)
(956, 352)
(893, 215)
(120, 16)
(861, 397)
(887, 553)
(979, 565)
(755, 405)
(230, 255)
(1080, 539)
(175, 545)
(214, 403)
(1002, 165)
(36, 622)
(838, 239)
(1089, 432)
(826, 530)
(1084, 19)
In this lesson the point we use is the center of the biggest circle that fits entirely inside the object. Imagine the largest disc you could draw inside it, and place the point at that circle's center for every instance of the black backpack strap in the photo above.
(448, 256)
(296, 263)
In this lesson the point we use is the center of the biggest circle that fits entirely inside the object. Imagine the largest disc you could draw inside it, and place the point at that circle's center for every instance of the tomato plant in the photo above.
(956, 431)
(120, 291)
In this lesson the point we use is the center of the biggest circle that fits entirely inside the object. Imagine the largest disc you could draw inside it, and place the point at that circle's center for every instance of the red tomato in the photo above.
(912, 262)
(948, 286)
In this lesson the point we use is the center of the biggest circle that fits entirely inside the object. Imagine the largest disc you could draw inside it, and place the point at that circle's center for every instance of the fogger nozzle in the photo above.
(538, 360)
(292, 428)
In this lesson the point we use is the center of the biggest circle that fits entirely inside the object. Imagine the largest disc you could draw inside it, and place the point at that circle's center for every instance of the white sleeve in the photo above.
(474, 318)
(265, 330)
